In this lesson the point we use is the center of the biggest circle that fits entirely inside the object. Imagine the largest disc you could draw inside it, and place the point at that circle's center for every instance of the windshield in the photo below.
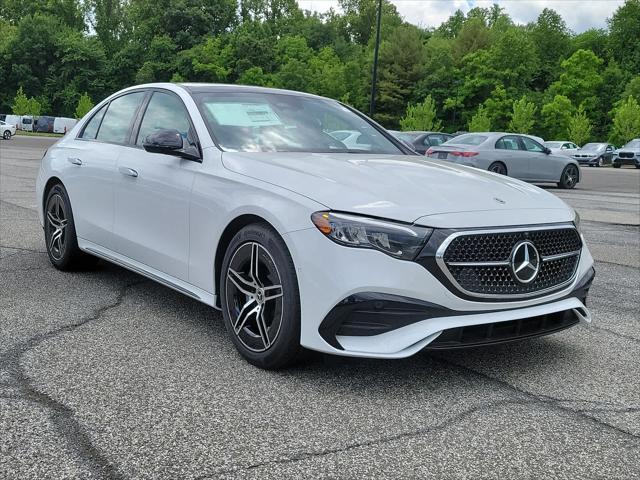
(553, 144)
(280, 122)
(467, 139)
(407, 137)
(594, 146)
(633, 144)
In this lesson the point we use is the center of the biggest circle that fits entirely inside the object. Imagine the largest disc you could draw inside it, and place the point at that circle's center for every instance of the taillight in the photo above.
(429, 152)
(463, 154)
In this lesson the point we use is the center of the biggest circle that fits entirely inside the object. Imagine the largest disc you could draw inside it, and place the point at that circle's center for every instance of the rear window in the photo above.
(469, 139)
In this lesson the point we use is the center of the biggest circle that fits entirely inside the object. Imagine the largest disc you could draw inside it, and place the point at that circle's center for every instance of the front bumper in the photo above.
(626, 161)
(330, 275)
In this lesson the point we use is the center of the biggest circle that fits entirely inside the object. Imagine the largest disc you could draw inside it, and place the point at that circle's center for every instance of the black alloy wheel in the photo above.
(260, 298)
(569, 177)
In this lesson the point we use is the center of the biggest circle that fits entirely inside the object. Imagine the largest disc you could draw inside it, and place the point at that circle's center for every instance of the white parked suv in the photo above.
(7, 130)
(241, 198)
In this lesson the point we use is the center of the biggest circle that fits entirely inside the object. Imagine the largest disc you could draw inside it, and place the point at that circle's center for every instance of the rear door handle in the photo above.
(74, 160)
(128, 171)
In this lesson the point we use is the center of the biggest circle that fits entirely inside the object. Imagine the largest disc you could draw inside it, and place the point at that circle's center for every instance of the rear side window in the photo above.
(165, 111)
(508, 143)
(116, 124)
(435, 140)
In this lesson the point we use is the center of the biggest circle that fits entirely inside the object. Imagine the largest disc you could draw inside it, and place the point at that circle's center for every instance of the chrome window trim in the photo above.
(556, 288)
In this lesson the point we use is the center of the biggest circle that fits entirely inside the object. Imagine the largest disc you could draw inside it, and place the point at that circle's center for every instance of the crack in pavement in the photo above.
(621, 335)
(541, 399)
(62, 416)
(22, 249)
(373, 442)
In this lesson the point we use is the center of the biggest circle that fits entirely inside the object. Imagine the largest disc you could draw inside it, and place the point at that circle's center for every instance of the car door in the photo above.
(542, 166)
(608, 154)
(153, 192)
(90, 164)
(510, 151)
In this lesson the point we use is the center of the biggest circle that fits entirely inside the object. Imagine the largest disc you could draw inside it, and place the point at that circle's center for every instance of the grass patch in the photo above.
(38, 134)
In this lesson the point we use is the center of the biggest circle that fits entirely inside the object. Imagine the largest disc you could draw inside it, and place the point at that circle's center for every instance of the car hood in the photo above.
(397, 187)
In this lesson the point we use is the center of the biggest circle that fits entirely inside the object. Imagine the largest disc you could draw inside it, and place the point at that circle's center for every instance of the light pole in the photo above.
(374, 79)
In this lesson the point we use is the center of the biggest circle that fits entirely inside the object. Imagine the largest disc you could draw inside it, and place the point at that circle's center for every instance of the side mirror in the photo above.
(547, 151)
(170, 142)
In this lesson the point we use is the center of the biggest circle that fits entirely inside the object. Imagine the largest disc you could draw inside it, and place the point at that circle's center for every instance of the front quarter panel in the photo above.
(219, 196)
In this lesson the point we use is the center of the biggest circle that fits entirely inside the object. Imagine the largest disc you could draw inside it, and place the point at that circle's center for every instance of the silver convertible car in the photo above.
(519, 156)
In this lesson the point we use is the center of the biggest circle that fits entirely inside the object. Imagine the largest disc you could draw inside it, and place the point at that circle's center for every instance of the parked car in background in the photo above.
(63, 124)
(562, 147)
(44, 124)
(628, 154)
(352, 139)
(519, 156)
(595, 154)
(7, 130)
(421, 141)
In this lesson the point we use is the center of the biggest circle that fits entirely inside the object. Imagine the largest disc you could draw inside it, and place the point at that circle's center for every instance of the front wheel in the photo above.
(569, 177)
(600, 162)
(617, 165)
(6, 135)
(260, 298)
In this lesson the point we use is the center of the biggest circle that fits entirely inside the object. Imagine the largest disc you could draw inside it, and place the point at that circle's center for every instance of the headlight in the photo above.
(576, 219)
(396, 239)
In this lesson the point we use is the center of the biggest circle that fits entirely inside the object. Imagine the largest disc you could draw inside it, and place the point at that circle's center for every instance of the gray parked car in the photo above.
(421, 141)
(628, 155)
(595, 154)
(519, 156)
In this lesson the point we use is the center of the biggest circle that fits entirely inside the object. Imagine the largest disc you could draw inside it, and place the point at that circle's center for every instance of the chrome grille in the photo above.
(478, 263)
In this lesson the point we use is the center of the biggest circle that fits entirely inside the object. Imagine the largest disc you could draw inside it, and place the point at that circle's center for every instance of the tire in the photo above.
(616, 165)
(498, 167)
(569, 177)
(600, 162)
(7, 134)
(60, 233)
(261, 304)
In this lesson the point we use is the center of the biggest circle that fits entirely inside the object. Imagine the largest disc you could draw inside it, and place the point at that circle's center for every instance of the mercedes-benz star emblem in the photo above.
(525, 262)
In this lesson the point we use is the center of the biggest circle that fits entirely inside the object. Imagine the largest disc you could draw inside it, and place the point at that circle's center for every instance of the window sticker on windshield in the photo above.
(244, 114)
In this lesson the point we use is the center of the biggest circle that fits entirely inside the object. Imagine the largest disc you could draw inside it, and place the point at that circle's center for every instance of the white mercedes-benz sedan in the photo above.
(241, 198)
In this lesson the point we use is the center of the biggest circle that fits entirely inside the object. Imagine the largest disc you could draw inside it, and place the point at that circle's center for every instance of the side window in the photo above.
(573, 146)
(609, 148)
(566, 146)
(91, 128)
(531, 145)
(435, 140)
(116, 125)
(165, 111)
(507, 143)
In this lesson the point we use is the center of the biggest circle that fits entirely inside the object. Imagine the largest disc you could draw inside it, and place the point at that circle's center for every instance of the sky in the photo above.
(580, 15)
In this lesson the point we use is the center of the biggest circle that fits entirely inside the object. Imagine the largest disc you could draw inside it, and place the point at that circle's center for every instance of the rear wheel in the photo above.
(498, 167)
(260, 298)
(60, 233)
(569, 177)
(6, 135)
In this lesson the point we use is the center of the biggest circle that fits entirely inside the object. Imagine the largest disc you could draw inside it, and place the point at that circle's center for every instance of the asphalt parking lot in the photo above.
(105, 374)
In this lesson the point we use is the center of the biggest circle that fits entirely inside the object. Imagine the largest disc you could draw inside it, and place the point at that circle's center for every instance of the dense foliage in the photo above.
(475, 71)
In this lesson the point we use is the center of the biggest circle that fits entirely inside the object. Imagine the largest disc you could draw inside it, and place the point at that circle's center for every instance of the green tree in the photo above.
(626, 121)
(552, 39)
(20, 103)
(421, 117)
(523, 116)
(580, 127)
(480, 121)
(632, 88)
(555, 117)
(84, 105)
(499, 108)
(35, 107)
(580, 79)
(624, 35)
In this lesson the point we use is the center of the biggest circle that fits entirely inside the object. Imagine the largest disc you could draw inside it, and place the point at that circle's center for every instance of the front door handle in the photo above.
(74, 160)
(128, 171)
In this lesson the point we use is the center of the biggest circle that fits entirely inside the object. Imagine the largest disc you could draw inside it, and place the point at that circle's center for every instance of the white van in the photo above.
(63, 124)
(26, 123)
(13, 120)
